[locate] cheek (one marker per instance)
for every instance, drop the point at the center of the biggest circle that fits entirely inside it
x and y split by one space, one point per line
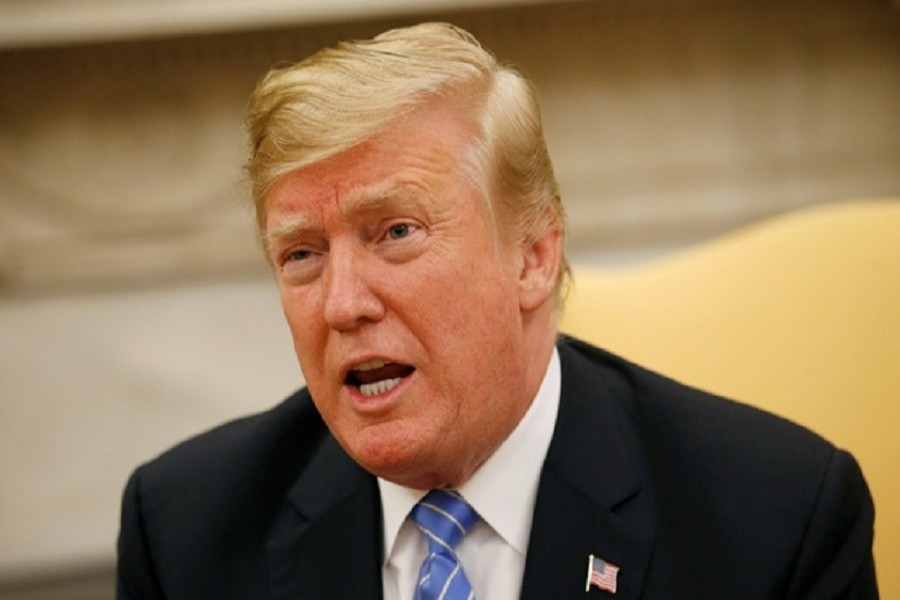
469 327
300 305
300 308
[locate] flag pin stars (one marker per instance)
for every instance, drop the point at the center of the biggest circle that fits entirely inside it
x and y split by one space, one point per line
601 574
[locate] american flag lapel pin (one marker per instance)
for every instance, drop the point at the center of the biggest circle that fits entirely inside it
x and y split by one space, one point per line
601 574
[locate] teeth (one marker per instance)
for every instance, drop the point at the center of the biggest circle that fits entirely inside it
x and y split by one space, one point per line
375 363
379 387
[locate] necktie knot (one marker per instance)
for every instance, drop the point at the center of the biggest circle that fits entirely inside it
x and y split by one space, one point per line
444 517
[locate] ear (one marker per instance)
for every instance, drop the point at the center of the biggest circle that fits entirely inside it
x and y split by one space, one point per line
540 267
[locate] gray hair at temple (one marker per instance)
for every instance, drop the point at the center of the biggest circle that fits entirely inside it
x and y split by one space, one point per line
304 113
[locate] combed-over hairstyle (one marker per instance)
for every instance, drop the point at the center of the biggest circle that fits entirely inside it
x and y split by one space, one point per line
304 113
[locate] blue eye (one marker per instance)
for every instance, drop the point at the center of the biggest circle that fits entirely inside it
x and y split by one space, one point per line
400 230
298 255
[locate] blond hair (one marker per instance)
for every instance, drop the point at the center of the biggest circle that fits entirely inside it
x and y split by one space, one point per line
304 113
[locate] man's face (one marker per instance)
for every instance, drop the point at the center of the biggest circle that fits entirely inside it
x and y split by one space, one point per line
403 304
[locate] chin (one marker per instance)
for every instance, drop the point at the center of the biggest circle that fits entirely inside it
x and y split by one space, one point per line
390 450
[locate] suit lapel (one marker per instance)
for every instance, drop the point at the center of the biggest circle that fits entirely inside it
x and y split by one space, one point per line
327 539
589 499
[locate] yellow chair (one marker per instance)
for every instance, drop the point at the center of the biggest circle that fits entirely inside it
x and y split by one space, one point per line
799 315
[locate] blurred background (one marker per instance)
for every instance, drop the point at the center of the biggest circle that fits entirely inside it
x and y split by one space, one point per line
135 307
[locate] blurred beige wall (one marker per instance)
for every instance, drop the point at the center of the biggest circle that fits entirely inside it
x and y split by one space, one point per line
134 306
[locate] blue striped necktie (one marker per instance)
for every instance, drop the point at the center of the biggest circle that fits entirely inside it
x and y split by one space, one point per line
444 517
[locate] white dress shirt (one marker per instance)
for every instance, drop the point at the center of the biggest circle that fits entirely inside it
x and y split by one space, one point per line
503 491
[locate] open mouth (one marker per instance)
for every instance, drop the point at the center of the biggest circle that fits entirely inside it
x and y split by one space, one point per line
377 376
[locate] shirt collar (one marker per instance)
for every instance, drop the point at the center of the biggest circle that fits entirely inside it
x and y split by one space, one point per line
504 489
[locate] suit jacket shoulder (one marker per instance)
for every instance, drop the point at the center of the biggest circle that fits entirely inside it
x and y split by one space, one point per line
695 495
236 512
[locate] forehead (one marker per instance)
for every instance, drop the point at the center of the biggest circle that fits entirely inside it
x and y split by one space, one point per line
418 154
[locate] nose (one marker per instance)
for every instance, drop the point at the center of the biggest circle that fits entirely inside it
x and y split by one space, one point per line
350 300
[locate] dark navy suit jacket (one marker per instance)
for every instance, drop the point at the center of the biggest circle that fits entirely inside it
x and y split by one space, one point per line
690 495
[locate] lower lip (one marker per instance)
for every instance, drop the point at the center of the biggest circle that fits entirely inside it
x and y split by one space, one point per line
379 403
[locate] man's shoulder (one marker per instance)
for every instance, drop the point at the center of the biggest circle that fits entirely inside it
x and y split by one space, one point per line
761 502
239 448
670 419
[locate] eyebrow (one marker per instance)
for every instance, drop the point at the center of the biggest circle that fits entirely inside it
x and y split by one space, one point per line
287 229
370 200
375 199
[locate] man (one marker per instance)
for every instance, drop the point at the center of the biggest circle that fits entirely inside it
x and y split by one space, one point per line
407 203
